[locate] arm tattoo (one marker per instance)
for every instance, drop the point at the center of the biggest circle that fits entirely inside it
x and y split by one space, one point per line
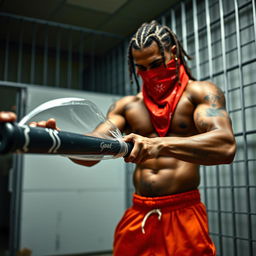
217 102
214 112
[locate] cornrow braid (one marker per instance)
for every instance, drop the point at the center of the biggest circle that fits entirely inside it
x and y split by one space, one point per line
131 63
164 37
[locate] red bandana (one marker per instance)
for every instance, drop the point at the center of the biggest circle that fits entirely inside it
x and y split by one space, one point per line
161 92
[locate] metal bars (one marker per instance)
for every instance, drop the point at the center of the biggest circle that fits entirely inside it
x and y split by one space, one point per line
231 225
69 75
56 24
6 57
222 32
173 20
228 190
81 61
45 68
209 37
33 53
197 55
228 33
184 27
20 53
223 47
57 68
241 80
254 19
44 53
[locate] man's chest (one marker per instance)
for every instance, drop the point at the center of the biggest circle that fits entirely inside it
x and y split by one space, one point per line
138 119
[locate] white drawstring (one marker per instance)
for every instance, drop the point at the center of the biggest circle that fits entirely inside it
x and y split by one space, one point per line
158 211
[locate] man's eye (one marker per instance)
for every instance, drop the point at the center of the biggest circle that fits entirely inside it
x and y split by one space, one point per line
156 65
141 68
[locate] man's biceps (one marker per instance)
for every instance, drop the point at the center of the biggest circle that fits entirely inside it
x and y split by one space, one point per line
204 123
117 120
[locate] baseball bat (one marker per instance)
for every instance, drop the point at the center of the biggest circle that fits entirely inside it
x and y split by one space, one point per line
16 138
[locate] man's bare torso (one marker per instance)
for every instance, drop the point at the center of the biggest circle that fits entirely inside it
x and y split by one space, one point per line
163 175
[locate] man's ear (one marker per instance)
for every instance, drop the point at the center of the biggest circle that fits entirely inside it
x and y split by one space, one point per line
174 50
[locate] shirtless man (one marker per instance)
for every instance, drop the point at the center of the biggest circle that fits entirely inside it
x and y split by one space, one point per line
176 124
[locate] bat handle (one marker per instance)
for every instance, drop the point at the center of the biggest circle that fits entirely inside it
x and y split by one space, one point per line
129 148
10 138
25 139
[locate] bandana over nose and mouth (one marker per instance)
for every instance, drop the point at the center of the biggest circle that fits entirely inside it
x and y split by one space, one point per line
161 92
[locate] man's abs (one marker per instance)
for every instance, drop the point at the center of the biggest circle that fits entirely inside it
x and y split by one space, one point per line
165 176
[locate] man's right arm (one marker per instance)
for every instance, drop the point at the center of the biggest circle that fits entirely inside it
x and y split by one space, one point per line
116 116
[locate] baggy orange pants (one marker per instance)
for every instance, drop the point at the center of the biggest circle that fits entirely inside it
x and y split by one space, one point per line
174 225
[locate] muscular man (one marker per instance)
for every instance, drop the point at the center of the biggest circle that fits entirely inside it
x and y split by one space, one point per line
176 124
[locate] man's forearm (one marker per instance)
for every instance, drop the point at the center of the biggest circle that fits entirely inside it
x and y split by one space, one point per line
214 147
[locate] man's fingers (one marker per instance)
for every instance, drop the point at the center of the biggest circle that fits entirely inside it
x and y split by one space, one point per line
135 154
129 137
41 124
51 123
11 117
7 116
33 124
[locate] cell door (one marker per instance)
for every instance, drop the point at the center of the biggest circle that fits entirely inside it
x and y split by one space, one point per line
12 98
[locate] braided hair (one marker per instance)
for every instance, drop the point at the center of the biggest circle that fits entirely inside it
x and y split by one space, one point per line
164 37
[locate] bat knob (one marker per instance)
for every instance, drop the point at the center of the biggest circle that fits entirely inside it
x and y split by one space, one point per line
8 140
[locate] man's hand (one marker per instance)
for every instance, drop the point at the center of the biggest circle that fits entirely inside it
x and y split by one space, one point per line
7 116
50 123
144 148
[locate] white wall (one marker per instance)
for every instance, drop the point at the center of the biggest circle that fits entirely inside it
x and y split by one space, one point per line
67 208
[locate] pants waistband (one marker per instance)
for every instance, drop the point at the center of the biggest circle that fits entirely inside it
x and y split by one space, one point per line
175 201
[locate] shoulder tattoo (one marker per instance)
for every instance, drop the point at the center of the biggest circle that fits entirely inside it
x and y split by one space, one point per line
216 102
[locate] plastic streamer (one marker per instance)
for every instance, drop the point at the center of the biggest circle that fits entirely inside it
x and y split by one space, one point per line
79 116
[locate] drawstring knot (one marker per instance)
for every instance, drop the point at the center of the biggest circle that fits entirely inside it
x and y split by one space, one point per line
158 211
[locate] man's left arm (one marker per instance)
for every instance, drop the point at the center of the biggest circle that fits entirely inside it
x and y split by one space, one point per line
214 143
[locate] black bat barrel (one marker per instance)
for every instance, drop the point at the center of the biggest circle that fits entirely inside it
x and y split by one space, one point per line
26 139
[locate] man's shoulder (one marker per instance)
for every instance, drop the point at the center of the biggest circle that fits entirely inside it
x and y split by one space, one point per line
129 99
200 85
199 89
121 104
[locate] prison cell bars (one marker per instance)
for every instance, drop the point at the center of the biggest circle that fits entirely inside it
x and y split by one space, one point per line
107 82
46 71
218 187
241 82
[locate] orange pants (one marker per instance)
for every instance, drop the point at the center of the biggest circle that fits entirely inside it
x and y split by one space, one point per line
164 226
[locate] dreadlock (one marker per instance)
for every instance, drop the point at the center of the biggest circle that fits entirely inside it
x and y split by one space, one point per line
164 37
